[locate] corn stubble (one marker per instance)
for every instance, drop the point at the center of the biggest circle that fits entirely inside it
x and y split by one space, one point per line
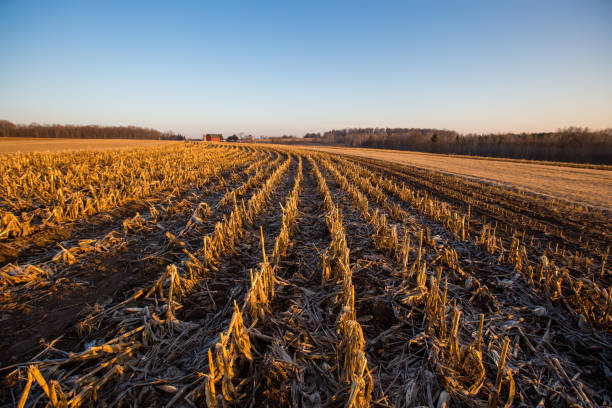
421 298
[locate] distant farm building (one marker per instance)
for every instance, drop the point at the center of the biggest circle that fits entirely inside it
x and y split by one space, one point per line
212 137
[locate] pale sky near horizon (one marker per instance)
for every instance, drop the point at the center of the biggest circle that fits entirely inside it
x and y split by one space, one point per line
273 67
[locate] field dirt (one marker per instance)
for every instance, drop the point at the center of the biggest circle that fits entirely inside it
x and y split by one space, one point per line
285 277
27 145
583 186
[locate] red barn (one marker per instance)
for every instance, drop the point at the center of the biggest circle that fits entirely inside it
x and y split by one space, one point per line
211 137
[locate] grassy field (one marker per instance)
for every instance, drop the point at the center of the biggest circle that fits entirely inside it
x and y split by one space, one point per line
27 145
584 186
248 275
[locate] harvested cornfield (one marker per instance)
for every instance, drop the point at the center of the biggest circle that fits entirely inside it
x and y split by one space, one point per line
235 275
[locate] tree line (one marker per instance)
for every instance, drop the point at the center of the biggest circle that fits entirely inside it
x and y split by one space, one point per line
9 129
578 145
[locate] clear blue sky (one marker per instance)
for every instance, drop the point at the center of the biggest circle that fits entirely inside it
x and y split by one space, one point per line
290 67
